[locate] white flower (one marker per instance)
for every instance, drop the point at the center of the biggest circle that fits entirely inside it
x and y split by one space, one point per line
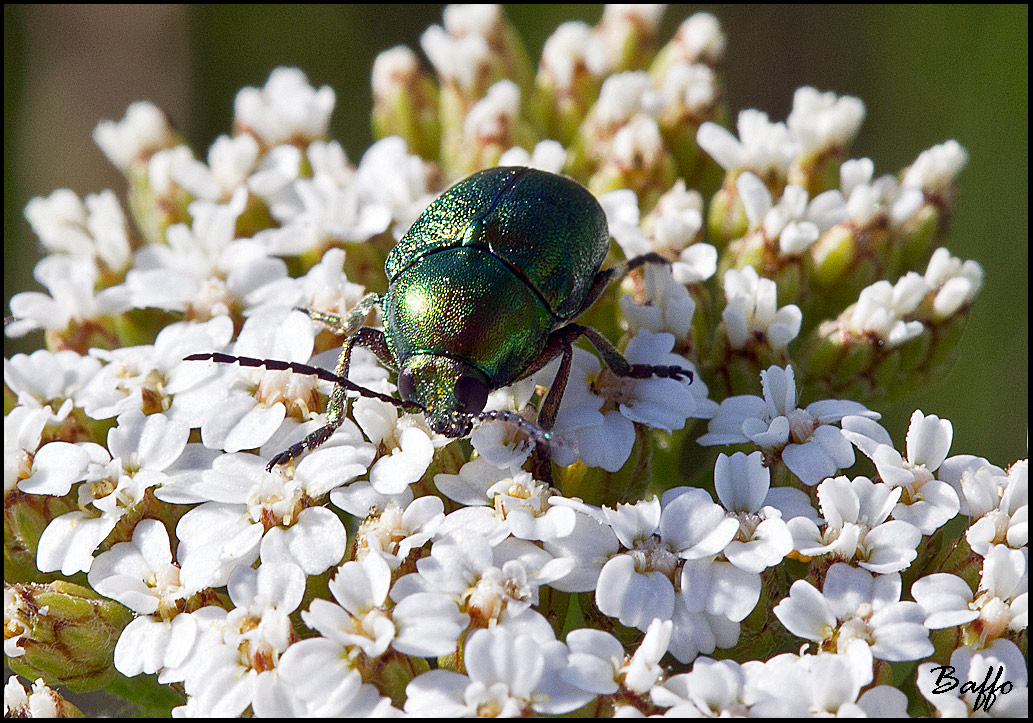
461 61
622 217
286 110
820 685
245 406
40 702
572 50
51 380
233 666
763 147
548 155
520 502
23 429
934 170
142 576
954 282
667 305
96 228
795 222
637 585
393 67
492 118
408 444
763 539
752 309
396 531
1001 502
869 202
643 670
713 686
599 409
621 97
204 269
319 211
143 131
325 288
598 664
882 309
637 144
856 525
496 585
678 216
590 545
230 162
691 86
389 176
248 504
360 620
73 299
155 377
320 681
1002 603
140 451
925 502
508 675
811 447
855 605
699 38
822 122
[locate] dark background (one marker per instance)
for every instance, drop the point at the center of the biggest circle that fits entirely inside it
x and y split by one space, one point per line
926 74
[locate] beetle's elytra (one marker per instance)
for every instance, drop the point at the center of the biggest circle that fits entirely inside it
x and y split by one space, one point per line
482 291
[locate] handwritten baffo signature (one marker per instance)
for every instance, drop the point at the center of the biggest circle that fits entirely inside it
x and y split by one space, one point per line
986 691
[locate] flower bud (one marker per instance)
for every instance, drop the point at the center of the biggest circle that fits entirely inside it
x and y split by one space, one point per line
62 632
492 127
897 336
699 40
638 160
25 518
629 34
405 101
570 75
690 95
823 126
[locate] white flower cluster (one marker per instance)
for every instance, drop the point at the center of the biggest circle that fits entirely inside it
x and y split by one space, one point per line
311 589
895 312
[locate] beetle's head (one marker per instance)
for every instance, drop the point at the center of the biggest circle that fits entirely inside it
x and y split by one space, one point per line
450 391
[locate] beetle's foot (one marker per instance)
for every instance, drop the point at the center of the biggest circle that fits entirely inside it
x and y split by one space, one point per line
644 371
296 450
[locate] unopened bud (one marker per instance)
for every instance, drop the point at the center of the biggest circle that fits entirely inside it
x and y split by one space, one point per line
405 101
62 632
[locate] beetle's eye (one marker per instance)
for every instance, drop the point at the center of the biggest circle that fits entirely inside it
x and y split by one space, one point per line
471 393
406 385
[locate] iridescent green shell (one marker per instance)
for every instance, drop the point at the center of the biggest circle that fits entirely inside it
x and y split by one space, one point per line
492 267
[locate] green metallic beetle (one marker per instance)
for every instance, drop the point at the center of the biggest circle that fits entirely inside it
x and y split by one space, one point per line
482 291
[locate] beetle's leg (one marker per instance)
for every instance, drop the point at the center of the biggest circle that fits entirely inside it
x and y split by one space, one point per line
622 367
368 337
599 284
350 323
560 341
641 260
352 327
604 277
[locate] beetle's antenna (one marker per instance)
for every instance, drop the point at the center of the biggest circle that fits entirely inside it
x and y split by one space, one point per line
539 435
328 376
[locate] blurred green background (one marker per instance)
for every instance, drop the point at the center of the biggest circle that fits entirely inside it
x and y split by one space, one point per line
926 74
